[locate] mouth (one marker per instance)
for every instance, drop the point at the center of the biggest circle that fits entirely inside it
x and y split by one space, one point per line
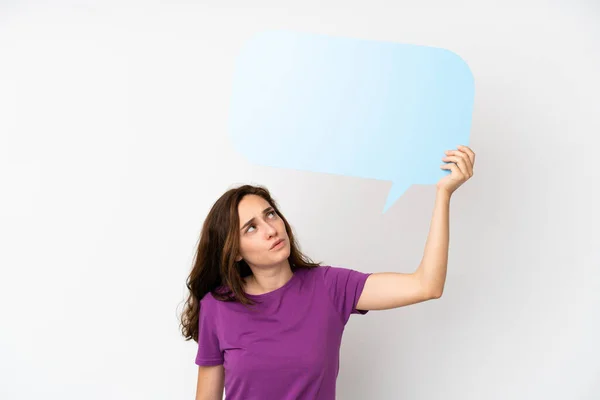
277 244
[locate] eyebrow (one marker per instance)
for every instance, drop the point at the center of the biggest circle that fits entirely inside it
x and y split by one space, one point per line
265 211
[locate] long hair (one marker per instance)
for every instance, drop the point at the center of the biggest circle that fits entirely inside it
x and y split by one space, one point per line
214 268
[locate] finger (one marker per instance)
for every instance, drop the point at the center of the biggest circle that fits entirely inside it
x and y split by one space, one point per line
466 158
470 152
460 162
454 168
459 153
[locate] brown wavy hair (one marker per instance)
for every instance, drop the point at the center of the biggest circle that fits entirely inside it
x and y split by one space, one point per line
215 269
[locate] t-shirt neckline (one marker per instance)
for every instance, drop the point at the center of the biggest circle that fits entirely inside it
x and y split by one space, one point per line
273 292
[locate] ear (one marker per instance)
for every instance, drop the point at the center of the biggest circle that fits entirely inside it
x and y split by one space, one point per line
238 258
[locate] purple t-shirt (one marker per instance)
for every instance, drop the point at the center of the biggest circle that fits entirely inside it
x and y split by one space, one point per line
289 347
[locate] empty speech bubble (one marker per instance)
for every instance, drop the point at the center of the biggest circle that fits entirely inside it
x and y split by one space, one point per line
355 107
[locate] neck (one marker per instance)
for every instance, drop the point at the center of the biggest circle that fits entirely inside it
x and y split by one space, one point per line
264 280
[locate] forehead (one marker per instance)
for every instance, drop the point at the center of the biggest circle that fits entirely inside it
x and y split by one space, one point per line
251 206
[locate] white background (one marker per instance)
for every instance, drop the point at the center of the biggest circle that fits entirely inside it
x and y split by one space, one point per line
113 147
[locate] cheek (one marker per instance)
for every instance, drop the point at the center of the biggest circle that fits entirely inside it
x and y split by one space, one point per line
282 228
249 247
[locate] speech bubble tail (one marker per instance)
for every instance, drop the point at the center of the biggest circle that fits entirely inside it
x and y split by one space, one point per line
396 191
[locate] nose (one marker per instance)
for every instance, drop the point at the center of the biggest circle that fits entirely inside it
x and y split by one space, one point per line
270 230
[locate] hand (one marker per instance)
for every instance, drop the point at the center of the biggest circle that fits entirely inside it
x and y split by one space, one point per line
460 162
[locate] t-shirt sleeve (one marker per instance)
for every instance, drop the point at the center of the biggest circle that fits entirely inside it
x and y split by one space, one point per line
209 350
344 286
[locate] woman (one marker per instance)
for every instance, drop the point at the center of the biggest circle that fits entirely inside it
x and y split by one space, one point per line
268 320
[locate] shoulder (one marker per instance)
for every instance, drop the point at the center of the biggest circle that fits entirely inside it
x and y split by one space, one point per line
334 271
332 274
312 273
324 270
316 270
207 301
212 307
339 278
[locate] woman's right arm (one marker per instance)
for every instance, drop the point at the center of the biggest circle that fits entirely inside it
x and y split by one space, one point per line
211 381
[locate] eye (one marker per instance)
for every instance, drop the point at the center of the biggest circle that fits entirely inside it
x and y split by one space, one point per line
270 212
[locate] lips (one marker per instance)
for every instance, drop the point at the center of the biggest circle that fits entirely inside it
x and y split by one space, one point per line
276 243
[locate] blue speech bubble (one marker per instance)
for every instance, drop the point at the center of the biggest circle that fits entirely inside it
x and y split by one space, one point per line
355 107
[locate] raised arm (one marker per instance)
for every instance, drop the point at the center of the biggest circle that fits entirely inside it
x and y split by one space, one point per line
387 290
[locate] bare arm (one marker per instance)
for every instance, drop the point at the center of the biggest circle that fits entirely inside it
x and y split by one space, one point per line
211 382
434 263
387 290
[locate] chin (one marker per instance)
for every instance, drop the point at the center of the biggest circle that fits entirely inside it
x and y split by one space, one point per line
285 254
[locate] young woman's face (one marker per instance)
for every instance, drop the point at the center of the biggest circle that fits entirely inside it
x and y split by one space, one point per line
260 229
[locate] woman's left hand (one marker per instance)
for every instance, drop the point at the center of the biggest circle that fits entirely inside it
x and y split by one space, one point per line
460 162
